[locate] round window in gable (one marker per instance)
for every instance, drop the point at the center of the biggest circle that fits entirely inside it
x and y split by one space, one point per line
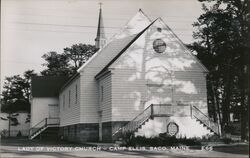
159 45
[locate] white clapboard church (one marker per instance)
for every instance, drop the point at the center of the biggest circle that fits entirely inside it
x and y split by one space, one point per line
143 80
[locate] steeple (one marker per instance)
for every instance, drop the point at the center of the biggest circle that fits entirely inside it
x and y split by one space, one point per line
100 39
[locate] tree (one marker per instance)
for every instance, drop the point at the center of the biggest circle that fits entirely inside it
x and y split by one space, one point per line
78 54
56 65
67 63
222 45
16 92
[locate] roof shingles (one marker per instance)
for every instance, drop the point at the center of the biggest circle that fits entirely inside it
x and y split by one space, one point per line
47 86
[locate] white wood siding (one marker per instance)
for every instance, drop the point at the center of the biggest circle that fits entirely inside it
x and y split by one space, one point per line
89 86
128 95
105 97
89 97
70 112
40 109
141 76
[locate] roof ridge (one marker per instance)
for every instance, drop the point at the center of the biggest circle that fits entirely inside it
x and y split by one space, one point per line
184 46
125 48
140 10
114 37
99 52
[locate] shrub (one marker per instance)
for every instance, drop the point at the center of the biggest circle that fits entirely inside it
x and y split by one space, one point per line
211 138
19 134
227 140
161 140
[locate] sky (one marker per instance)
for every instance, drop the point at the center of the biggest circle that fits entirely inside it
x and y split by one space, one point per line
31 28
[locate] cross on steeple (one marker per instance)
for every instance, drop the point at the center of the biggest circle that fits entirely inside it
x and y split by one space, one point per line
100 39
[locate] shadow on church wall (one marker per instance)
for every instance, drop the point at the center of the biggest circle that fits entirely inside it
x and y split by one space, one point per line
172 77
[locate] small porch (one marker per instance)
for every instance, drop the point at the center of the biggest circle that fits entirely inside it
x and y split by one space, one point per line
168 110
48 126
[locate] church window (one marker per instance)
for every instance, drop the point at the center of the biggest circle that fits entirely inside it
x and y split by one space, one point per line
69 97
63 101
76 97
159 45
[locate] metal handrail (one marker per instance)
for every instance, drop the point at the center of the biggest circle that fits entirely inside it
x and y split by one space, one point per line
44 123
141 113
170 110
50 122
198 114
39 125
201 112
135 123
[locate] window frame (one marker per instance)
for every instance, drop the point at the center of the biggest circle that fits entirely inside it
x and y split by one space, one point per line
76 95
69 98
63 101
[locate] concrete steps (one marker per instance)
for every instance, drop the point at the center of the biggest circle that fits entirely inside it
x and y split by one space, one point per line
205 126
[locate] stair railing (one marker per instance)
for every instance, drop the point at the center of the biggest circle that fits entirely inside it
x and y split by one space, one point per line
38 126
136 122
53 121
154 110
158 110
44 123
199 115
150 111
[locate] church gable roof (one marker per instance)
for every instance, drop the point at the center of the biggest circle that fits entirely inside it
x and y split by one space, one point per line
123 50
129 34
100 59
120 40
183 46
135 25
181 58
47 86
